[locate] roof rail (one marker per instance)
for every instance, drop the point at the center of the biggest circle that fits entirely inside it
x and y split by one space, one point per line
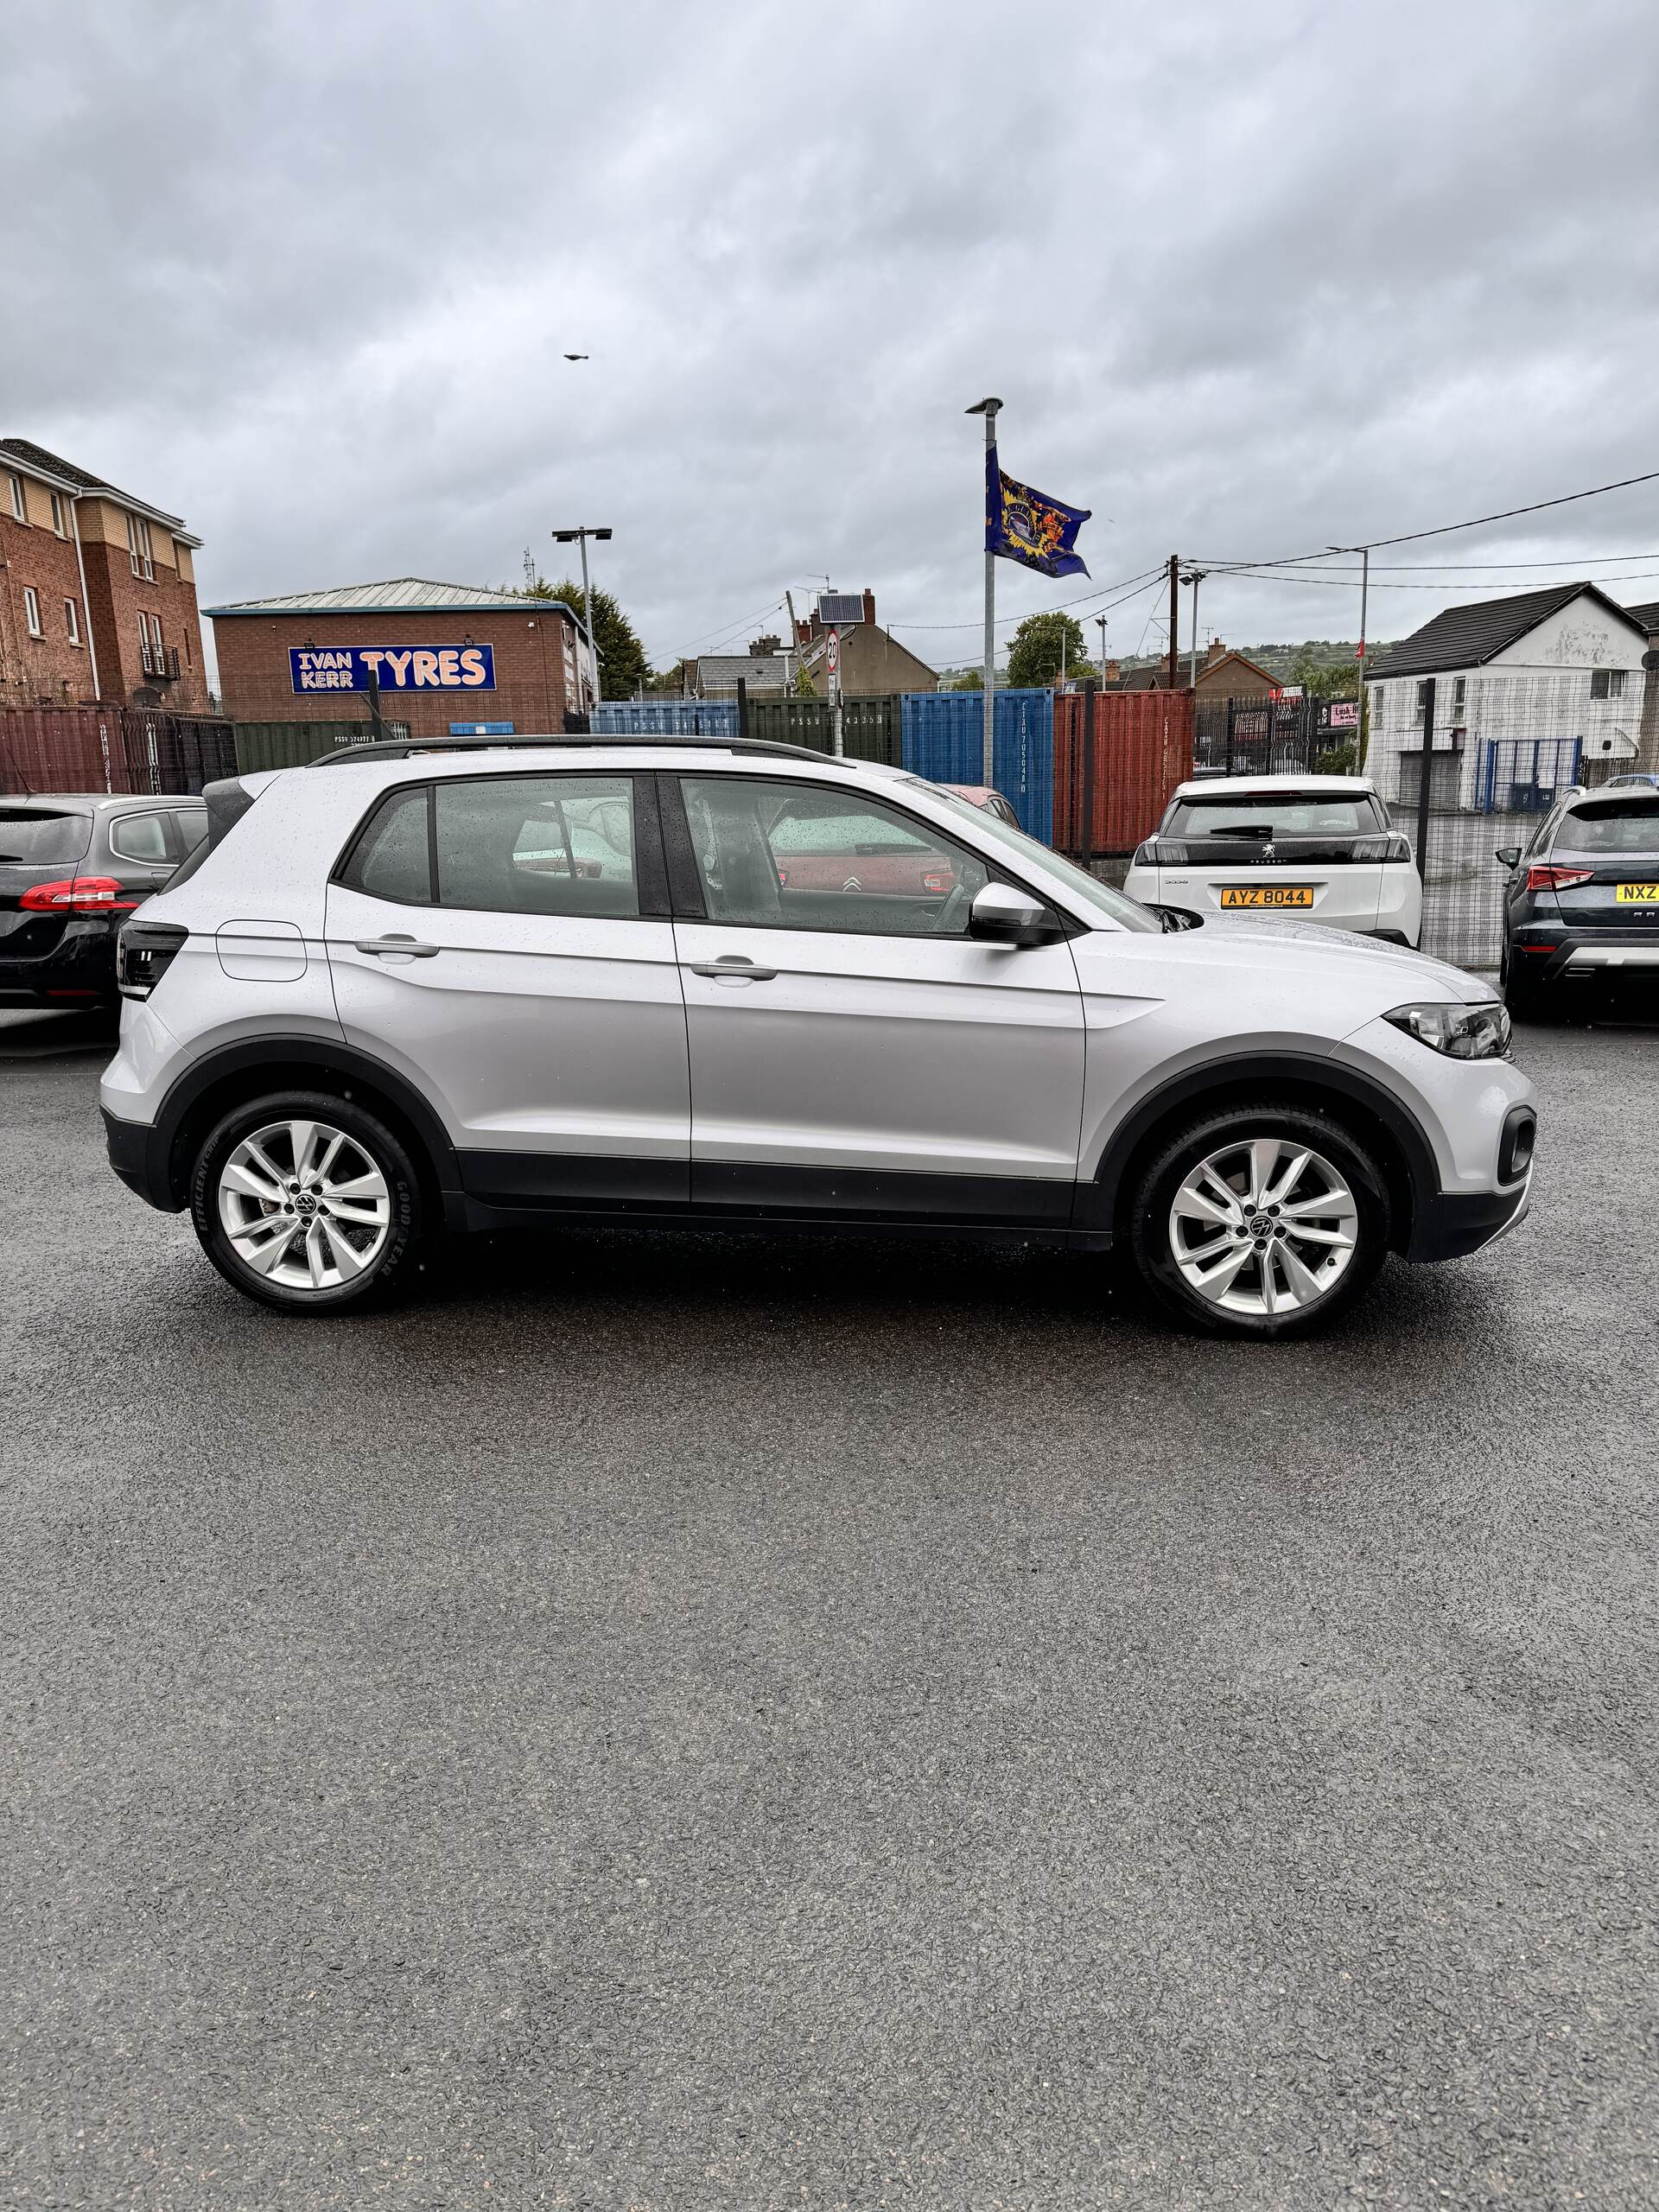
405 748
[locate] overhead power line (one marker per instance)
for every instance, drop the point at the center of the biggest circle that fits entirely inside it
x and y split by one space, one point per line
1441 529
1006 621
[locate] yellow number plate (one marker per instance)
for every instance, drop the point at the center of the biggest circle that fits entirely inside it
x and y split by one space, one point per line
1268 894
1637 894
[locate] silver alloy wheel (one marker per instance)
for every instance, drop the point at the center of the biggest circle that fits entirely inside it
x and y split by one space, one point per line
304 1205
1265 1225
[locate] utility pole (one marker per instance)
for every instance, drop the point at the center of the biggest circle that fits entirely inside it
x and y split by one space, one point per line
583 532
1174 614
1100 625
990 408
1365 553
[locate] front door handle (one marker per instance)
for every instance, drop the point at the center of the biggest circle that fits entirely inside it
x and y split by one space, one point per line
401 947
733 967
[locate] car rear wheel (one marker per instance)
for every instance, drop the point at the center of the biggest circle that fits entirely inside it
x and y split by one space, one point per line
306 1202
1260 1222
1527 999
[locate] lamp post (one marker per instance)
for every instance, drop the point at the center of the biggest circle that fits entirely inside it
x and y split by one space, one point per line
580 536
990 408
1195 577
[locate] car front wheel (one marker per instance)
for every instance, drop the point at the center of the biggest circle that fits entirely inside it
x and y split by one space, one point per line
308 1203
1260 1222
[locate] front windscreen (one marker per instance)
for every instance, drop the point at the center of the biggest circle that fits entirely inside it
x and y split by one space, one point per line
1626 825
40 839
1024 851
1276 814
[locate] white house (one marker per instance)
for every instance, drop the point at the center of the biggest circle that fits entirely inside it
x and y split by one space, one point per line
1529 691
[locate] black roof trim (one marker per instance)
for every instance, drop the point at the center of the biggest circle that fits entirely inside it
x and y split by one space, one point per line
401 748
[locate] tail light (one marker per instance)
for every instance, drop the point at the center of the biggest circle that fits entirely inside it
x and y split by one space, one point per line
77 895
936 880
1394 847
144 953
1557 879
1160 852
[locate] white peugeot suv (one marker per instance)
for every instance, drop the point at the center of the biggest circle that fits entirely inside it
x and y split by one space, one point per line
728 984
1321 846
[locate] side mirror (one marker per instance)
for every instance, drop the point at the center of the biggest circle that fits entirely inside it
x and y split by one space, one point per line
1172 920
1001 915
1510 855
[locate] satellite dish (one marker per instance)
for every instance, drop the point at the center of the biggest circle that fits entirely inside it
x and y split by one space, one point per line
1650 660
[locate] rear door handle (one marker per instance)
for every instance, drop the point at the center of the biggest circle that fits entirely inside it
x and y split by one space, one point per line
405 946
733 967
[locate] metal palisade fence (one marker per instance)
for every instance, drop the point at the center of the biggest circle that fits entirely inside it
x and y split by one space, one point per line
117 749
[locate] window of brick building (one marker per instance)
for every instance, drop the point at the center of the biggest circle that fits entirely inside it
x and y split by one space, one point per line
72 620
32 611
60 514
138 549
19 504
150 641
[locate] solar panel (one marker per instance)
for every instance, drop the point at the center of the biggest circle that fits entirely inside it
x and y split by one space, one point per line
838 610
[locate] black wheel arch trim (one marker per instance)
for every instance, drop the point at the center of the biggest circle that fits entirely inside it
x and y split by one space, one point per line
1097 1201
166 1176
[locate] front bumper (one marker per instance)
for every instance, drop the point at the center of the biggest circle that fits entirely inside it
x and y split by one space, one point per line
1451 1225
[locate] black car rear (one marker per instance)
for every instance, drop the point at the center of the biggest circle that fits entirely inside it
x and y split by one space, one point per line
72 866
1583 901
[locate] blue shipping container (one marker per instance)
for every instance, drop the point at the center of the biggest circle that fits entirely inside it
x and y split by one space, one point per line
944 736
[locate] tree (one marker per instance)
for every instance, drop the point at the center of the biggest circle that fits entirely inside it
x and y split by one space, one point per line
1040 644
1322 679
971 679
623 668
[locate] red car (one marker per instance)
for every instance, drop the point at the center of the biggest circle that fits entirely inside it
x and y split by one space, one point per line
812 857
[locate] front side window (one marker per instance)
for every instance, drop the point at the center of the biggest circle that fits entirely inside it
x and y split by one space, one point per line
140 837
32 611
1023 851
807 856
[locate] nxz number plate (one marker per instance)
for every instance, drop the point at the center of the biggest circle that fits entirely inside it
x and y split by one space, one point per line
1637 894
1268 894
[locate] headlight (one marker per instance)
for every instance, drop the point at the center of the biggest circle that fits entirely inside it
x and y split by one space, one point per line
1464 1033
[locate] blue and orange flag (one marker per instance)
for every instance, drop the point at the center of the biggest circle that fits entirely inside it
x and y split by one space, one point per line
1028 526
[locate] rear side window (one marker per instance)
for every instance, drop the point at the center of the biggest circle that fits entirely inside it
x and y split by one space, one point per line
140 837
191 827
1617 826
391 858
538 845
40 839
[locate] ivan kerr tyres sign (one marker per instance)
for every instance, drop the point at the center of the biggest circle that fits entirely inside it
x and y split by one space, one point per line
399 668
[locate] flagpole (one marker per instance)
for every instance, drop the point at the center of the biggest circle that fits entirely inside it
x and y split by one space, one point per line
989 408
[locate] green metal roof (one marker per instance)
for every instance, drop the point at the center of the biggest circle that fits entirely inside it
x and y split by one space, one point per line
397 595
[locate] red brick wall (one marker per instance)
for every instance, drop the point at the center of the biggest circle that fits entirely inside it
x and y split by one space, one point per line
33 669
117 597
530 685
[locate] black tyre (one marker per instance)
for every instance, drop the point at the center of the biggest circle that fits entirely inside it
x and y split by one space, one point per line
1260 1221
308 1203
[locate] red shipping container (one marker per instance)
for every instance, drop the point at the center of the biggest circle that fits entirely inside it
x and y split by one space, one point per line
1143 749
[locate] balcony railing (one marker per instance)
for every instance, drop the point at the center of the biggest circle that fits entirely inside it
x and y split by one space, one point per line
161 662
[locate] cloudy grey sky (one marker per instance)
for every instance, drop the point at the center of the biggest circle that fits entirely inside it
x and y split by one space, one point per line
1251 276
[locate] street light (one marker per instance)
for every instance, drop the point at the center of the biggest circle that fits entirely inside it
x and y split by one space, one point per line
581 535
1195 577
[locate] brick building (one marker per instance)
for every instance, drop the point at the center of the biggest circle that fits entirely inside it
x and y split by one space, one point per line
98 591
444 655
